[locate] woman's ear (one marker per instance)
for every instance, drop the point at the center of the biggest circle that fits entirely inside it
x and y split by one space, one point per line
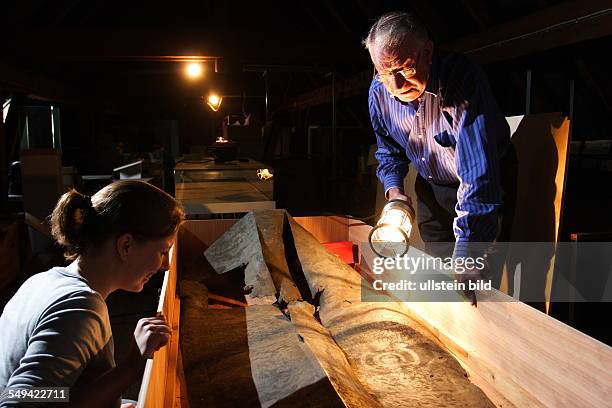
124 244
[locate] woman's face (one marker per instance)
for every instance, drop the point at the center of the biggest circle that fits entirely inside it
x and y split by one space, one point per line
143 259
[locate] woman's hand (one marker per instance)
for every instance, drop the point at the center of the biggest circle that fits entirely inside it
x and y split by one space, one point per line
151 334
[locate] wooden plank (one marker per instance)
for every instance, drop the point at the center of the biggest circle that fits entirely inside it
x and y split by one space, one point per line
519 351
541 142
222 307
325 229
153 386
171 385
224 299
4 156
205 232
181 400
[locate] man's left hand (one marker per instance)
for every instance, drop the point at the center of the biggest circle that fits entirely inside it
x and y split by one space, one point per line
470 275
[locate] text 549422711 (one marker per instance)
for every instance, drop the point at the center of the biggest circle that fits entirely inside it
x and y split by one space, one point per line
35 394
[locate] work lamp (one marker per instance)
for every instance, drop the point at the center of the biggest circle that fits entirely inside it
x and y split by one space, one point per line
214 101
390 237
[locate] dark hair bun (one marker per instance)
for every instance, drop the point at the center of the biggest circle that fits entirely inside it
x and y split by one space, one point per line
69 219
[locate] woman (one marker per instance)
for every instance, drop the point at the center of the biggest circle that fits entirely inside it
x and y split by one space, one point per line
55 331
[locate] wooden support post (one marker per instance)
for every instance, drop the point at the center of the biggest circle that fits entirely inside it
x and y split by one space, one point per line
3 163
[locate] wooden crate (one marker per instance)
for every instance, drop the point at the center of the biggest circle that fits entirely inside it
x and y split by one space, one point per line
517 355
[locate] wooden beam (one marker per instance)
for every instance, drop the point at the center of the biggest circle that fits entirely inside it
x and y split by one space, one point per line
4 166
555 26
16 80
74 45
591 83
562 24
337 16
478 13
356 85
227 300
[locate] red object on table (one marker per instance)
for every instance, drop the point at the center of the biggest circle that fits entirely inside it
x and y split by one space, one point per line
343 250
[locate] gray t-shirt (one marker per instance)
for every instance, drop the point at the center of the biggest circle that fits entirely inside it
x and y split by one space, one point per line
54 332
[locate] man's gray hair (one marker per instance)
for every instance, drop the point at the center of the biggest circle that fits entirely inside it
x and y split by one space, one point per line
391 29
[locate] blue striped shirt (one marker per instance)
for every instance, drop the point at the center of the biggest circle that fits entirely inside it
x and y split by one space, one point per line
453 134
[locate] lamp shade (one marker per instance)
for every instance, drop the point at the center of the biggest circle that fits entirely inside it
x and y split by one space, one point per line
214 101
390 237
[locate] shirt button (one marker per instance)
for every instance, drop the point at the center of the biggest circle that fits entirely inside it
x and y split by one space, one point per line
420 136
422 158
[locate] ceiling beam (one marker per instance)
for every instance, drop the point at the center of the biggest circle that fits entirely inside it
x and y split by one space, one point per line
245 47
556 26
35 86
562 24
591 83
477 11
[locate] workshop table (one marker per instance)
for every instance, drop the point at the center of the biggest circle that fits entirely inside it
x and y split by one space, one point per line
205 187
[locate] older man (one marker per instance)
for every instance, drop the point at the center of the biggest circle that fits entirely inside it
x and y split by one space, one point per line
438 113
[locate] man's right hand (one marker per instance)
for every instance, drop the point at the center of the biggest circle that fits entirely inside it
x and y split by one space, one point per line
398 194
151 334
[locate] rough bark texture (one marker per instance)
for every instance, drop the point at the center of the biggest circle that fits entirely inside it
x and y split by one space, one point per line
344 352
270 225
239 246
250 357
330 356
398 364
256 241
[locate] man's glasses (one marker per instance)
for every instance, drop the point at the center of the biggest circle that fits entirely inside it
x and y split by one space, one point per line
406 73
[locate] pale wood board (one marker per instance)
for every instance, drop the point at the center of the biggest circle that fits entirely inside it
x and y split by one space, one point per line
531 359
541 142
325 229
210 192
162 367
